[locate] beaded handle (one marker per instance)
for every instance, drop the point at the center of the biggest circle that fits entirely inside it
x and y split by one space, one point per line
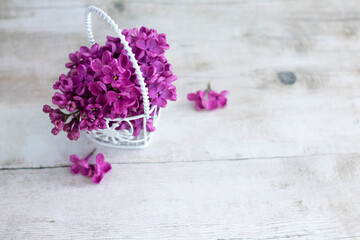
115 27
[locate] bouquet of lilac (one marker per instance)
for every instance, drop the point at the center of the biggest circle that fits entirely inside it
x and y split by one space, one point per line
101 84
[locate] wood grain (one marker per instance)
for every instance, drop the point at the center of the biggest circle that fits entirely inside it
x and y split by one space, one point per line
280 162
289 198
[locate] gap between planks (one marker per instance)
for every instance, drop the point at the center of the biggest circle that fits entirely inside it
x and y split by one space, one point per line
178 161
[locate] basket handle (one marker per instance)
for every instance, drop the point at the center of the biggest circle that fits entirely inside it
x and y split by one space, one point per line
115 27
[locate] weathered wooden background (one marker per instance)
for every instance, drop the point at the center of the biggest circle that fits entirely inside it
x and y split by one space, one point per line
280 162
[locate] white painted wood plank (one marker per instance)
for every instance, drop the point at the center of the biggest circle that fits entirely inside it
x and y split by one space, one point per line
285 198
275 123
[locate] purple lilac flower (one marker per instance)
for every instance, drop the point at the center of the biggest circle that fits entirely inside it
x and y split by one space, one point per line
116 76
208 99
65 84
114 46
160 93
82 80
138 126
69 125
93 52
101 168
99 91
149 125
94 111
216 100
59 99
56 117
74 58
80 165
47 109
74 133
121 102
150 46
198 98
97 88
70 106
106 60
95 171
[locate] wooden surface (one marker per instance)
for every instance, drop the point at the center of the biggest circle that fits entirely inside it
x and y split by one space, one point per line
280 162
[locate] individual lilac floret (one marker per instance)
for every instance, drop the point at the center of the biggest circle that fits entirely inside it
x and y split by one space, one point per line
93 52
198 98
81 165
121 103
150 46
216 100
160 93
106 60
57 118
101 167
74 58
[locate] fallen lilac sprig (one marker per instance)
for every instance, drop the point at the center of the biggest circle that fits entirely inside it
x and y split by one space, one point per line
95 171
208 99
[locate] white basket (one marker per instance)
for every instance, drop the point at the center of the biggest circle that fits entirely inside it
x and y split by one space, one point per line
110 137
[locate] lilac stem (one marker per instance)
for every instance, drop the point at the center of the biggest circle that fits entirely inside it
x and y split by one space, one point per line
66 116
90 154
208 87
73 113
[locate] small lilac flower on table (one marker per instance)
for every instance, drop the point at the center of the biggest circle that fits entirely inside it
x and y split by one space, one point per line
96 171
80 165
217 100
208 99
198 98
101 167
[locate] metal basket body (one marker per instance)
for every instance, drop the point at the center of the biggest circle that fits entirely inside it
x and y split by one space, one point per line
124 138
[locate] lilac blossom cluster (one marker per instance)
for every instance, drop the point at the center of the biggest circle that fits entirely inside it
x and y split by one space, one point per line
101 83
